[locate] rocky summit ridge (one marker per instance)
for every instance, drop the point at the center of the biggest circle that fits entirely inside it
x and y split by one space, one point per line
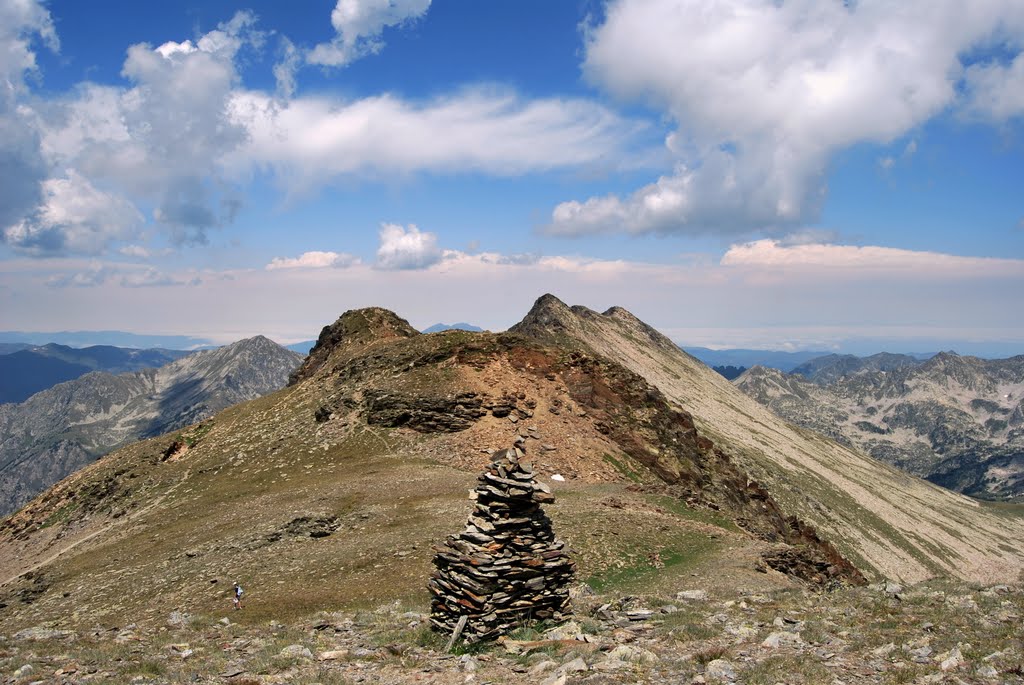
847 496
333 492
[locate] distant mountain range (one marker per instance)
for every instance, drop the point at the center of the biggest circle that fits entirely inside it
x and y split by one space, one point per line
302 348
957 421
775 359
115 338
834 367
59 430
438 327
9 347
31 369
729 372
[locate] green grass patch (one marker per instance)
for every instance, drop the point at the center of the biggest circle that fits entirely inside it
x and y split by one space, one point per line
639 564
681 509
623 468
62 515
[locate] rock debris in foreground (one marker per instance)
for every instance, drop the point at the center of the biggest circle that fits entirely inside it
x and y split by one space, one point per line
506 568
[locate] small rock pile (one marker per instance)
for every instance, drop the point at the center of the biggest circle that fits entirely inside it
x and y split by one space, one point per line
506 567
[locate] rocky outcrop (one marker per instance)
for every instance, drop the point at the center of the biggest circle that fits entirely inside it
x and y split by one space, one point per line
423 413
353 330
433 414
506 567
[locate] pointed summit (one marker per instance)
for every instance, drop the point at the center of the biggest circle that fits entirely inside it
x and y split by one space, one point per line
257 343
551 318
355 329
547 307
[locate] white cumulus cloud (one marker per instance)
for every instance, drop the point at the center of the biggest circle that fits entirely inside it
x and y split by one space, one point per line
74 217
313 260
764 93
162 140
407 248
22 165
358 25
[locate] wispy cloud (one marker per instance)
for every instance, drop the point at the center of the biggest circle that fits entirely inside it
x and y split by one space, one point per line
865 262
313 260
311 141
185 138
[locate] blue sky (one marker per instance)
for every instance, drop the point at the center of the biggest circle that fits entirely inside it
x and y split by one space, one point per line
739 173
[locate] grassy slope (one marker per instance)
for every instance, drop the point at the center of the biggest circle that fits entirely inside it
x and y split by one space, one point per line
173 534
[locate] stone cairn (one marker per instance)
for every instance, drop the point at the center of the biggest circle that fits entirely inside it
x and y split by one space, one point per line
506 568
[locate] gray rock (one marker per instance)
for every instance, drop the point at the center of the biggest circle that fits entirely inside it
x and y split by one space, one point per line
177 619
570 630
986 671
920 654
37 633
630 654
577 665
25 670
953 660
693 595
720 670
782 639
555 679
542 667
296 652
610 664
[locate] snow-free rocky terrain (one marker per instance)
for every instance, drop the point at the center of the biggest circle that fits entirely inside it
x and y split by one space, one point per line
711 539
957 421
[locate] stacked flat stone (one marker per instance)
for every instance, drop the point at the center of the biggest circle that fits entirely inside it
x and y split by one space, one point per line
506 568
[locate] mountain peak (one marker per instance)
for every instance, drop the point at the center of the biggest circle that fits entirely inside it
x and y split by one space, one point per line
548 305
552 318
549 316
356 328
255 342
